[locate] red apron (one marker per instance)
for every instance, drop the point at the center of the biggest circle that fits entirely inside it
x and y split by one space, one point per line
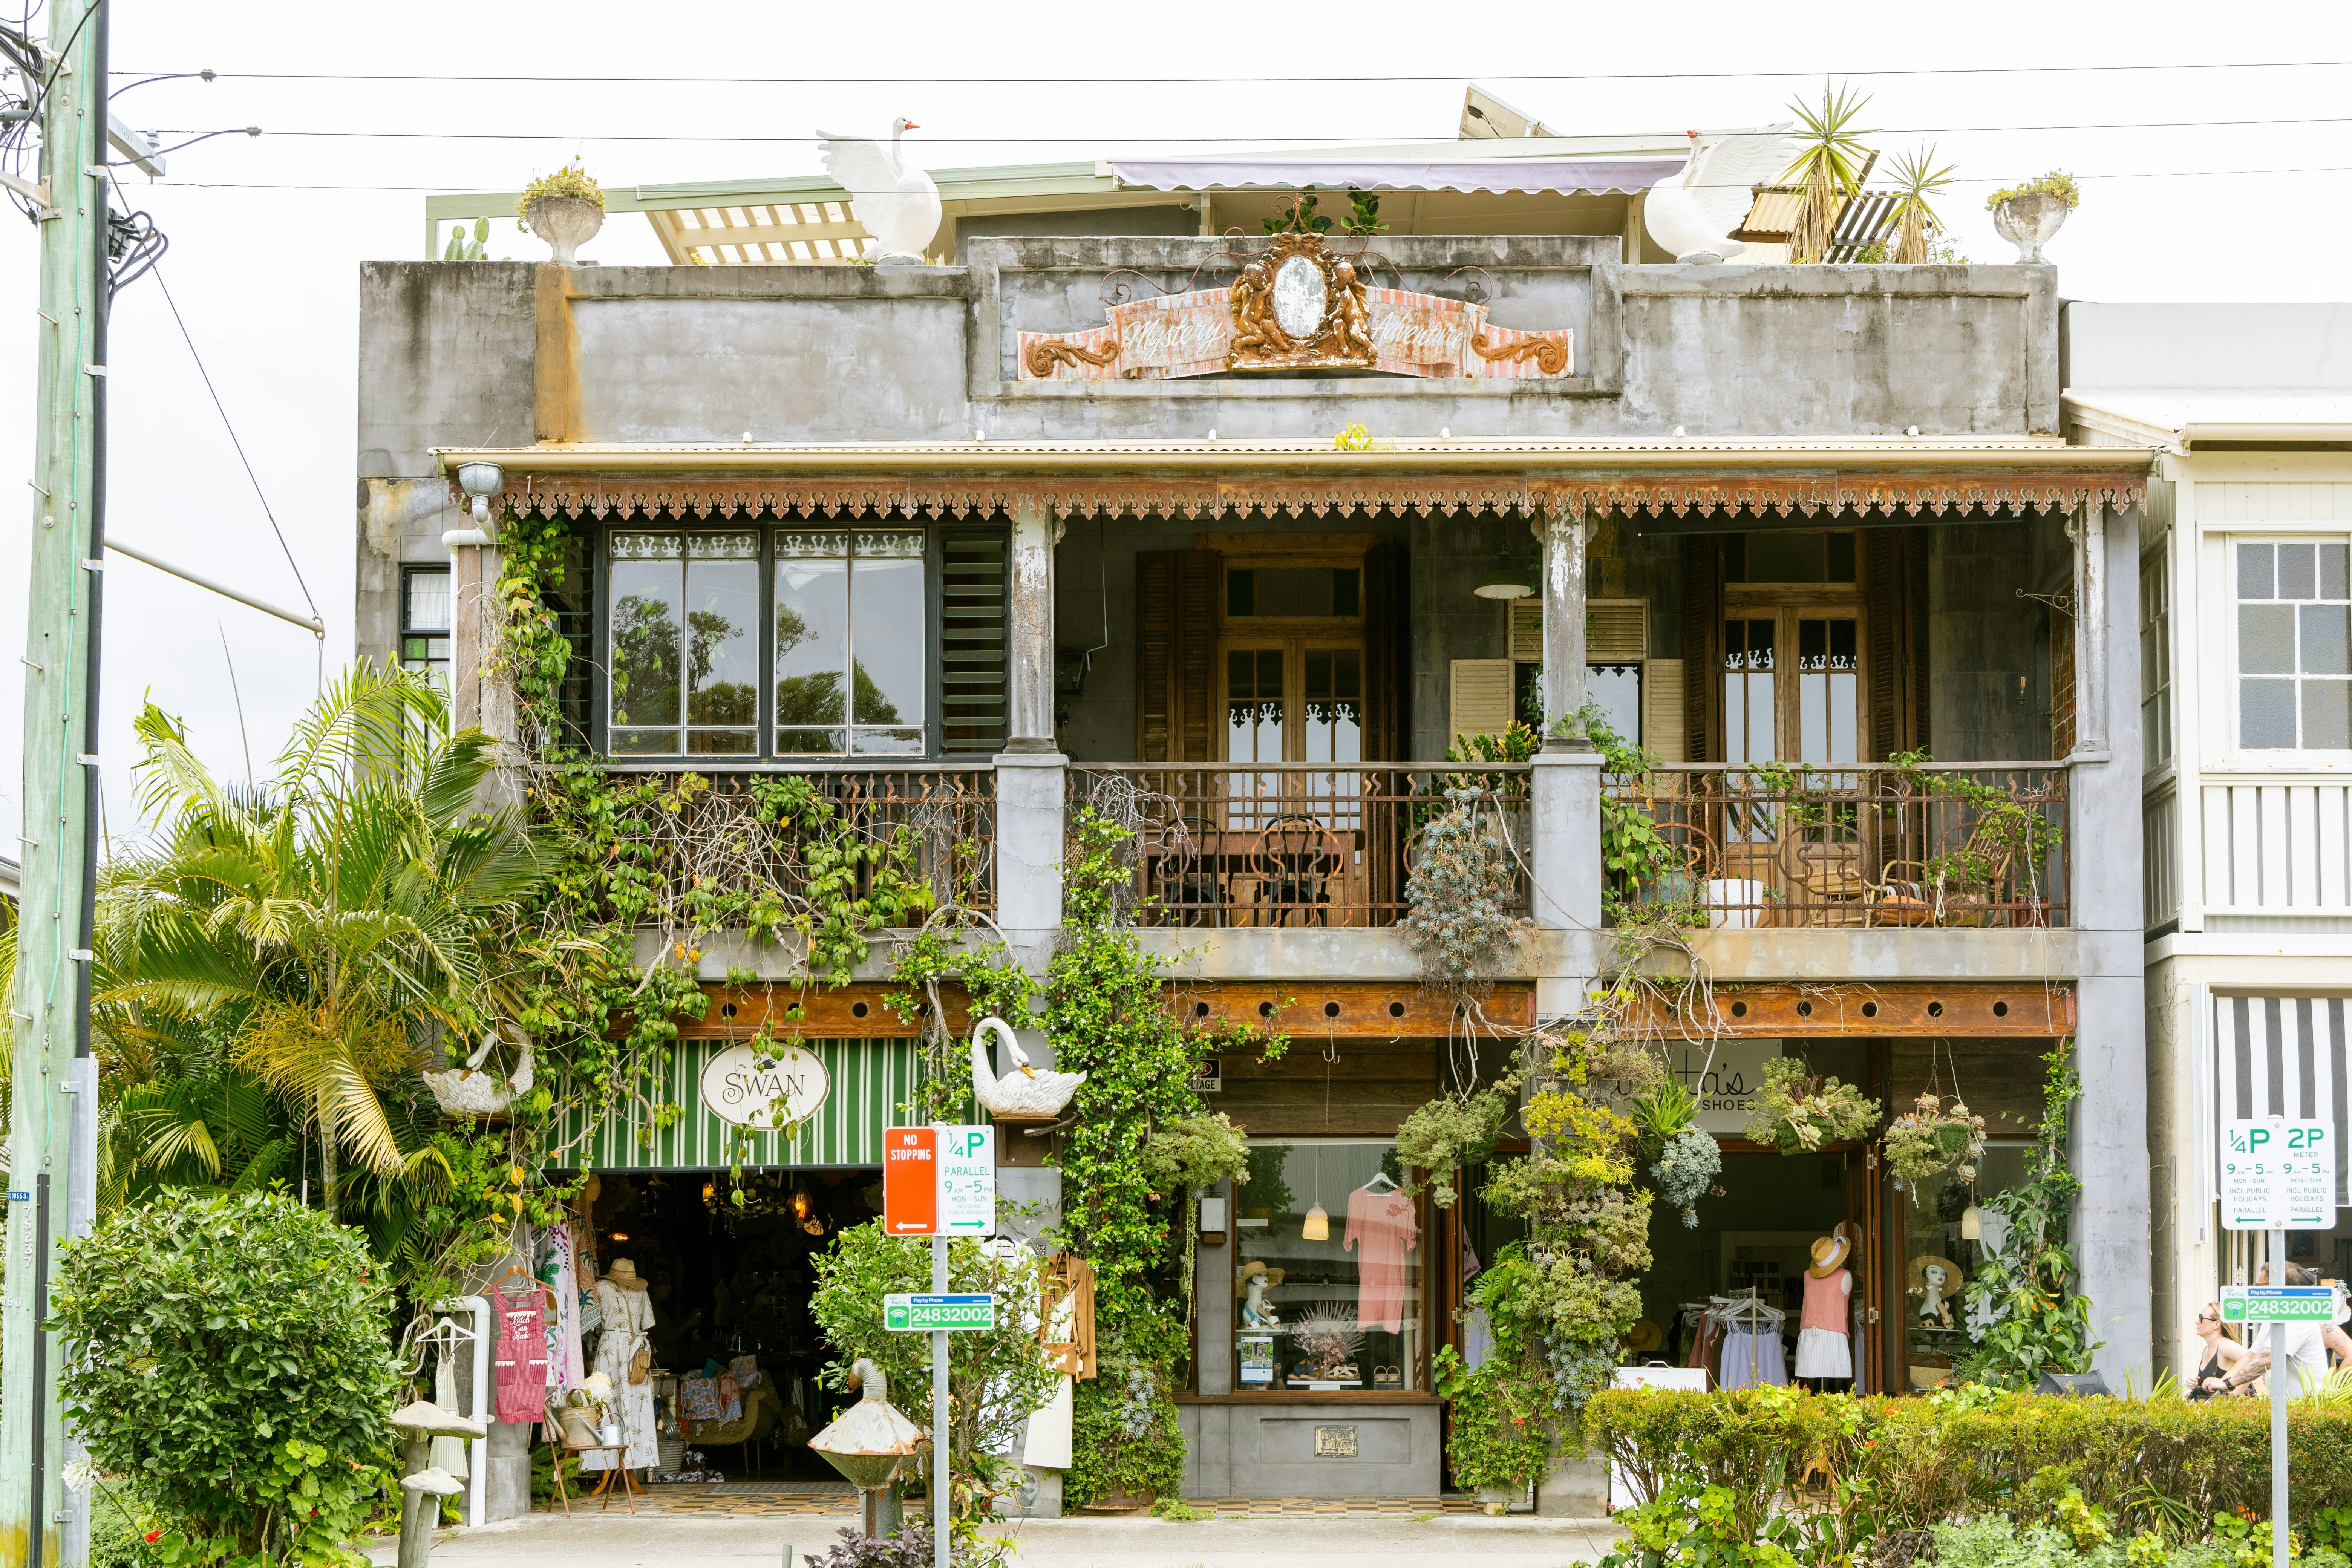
520 1356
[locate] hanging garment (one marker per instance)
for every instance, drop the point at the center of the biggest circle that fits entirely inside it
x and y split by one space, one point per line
697 1399
627 1315
1703 1337
449 1453
565 1366
1751 1358
1823 1349
1384 1224
1477 1338
519 1356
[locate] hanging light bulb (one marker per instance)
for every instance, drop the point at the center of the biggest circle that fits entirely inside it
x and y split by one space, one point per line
1318 1223
799 1203
1972 1224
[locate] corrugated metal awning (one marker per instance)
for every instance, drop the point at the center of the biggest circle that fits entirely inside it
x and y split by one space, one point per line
2283 1056
1553 176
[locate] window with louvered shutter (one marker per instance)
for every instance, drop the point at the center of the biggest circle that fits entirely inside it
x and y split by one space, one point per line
1480 693
973 696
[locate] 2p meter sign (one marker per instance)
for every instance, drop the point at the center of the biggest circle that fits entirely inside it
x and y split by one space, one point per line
2278 1174
939 1181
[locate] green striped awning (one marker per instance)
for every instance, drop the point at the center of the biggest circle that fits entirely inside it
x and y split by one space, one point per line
870 1086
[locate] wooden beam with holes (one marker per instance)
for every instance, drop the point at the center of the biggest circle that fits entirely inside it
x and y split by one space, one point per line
1348 1009
2024 1010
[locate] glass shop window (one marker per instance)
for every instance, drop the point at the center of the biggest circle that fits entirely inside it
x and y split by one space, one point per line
850 650
685 653
1948 1228
1329 1253
425 621
2295 679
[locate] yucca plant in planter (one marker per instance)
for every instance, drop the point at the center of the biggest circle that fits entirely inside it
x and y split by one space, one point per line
2027 215
565 208
1828 166
1916 178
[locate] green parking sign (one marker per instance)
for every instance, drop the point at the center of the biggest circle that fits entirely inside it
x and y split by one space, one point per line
2278 1304
913 1314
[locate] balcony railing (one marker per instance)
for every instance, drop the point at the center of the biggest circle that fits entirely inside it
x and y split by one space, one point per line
1946 844
689 830
1288 844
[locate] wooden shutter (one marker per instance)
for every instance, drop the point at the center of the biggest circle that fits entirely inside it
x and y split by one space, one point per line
1176 651
2061 683
1387 669
1616 631
1895 613
1480 693
1663 731
1702 639
973 696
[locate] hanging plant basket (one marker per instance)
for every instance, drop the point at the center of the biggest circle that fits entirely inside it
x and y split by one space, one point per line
1928 1140
1801 1114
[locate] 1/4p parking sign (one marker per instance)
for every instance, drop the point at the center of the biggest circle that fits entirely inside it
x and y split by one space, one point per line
2278 1174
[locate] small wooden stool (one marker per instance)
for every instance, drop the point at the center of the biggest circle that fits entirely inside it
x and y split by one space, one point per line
629 1487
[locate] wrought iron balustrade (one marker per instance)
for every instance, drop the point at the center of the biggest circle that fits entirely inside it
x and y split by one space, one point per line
1869 843
1289 843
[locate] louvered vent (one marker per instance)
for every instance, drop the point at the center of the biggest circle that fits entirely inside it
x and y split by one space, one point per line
1616 631
972 654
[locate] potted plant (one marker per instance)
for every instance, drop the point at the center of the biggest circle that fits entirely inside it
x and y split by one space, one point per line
565 208
2027 215
1928 1140
1799 1113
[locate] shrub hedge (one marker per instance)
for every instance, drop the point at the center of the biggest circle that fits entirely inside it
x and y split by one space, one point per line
1971 1451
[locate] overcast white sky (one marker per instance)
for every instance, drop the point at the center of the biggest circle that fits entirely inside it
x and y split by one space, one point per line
266 235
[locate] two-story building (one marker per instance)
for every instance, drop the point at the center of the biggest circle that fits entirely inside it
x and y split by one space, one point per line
1236 534
2246 745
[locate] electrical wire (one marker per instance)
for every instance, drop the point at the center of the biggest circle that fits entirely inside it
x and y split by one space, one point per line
1670 136
1256 80
231 427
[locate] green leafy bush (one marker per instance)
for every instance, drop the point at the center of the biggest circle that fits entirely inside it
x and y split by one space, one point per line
1124 1435
230 1354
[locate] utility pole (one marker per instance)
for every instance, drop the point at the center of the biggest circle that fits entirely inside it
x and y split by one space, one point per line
49 1176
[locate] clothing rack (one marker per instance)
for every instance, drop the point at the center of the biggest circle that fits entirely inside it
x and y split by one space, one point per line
1746 1315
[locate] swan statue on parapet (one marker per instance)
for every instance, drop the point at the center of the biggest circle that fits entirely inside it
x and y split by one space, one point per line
1026 1093
1693 213
898 203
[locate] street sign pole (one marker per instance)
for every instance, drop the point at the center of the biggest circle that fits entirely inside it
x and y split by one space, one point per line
939 1483
2280 1373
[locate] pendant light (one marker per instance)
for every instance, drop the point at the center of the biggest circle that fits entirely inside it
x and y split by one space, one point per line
1972 1224
1318 1223
1506 581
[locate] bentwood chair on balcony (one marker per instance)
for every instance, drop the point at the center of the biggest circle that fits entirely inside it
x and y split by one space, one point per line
1188 873
1295 859
1969 888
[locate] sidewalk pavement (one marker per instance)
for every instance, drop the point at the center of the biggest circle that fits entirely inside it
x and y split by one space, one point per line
616 1540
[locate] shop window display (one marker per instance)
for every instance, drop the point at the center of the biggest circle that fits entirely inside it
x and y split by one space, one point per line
1327 1277
1948 1230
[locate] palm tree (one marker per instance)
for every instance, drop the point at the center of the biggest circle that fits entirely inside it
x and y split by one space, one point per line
1917 179
1828 166
331 923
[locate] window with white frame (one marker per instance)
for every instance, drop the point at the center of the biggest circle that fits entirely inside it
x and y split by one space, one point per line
2155 661
2295 645
425 621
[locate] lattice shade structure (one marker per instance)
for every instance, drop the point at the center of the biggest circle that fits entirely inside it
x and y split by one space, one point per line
746 233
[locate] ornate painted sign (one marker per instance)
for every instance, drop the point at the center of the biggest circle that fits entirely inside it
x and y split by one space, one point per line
1297 305
764 1089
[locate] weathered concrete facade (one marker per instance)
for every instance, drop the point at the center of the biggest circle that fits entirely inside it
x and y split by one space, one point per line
1910 408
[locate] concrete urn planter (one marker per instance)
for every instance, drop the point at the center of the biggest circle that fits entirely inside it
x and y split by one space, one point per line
2027 221
566 222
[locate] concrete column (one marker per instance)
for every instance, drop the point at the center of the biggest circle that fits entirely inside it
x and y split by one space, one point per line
1030 788
1563 540
2112 1236
1567 861
468 637
1035 533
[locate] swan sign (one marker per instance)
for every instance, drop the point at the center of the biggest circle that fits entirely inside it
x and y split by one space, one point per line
939 1181
765 1090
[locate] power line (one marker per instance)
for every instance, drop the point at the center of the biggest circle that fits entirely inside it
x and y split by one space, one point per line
1255 80
231 427
1260 140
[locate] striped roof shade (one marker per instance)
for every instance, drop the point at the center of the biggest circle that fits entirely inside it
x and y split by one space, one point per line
871 1085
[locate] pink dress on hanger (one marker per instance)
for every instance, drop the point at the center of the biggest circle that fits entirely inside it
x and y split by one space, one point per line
1384 1226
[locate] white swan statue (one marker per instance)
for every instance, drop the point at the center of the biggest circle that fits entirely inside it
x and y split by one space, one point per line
1028 1092
898 204
1693 213
466 1091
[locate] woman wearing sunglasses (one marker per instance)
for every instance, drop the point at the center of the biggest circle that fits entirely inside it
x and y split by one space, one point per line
2222 1353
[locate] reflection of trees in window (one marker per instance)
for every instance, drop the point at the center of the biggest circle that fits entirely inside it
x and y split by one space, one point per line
721 701
645 662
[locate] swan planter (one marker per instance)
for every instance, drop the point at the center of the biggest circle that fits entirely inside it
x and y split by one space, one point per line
469 1091
1025 1094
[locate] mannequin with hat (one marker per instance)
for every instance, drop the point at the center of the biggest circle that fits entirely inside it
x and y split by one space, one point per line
1824 1350
625 1355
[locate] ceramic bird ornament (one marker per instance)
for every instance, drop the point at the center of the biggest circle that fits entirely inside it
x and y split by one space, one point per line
896 202
1693 213
1027 1090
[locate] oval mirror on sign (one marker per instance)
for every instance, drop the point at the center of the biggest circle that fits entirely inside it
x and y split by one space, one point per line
1299 298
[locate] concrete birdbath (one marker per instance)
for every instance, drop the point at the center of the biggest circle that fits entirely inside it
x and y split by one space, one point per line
419 1423
868 1445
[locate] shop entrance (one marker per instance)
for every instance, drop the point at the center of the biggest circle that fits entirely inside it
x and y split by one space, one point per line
730 1285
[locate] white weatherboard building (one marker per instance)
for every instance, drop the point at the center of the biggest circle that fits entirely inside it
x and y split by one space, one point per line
2245 595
